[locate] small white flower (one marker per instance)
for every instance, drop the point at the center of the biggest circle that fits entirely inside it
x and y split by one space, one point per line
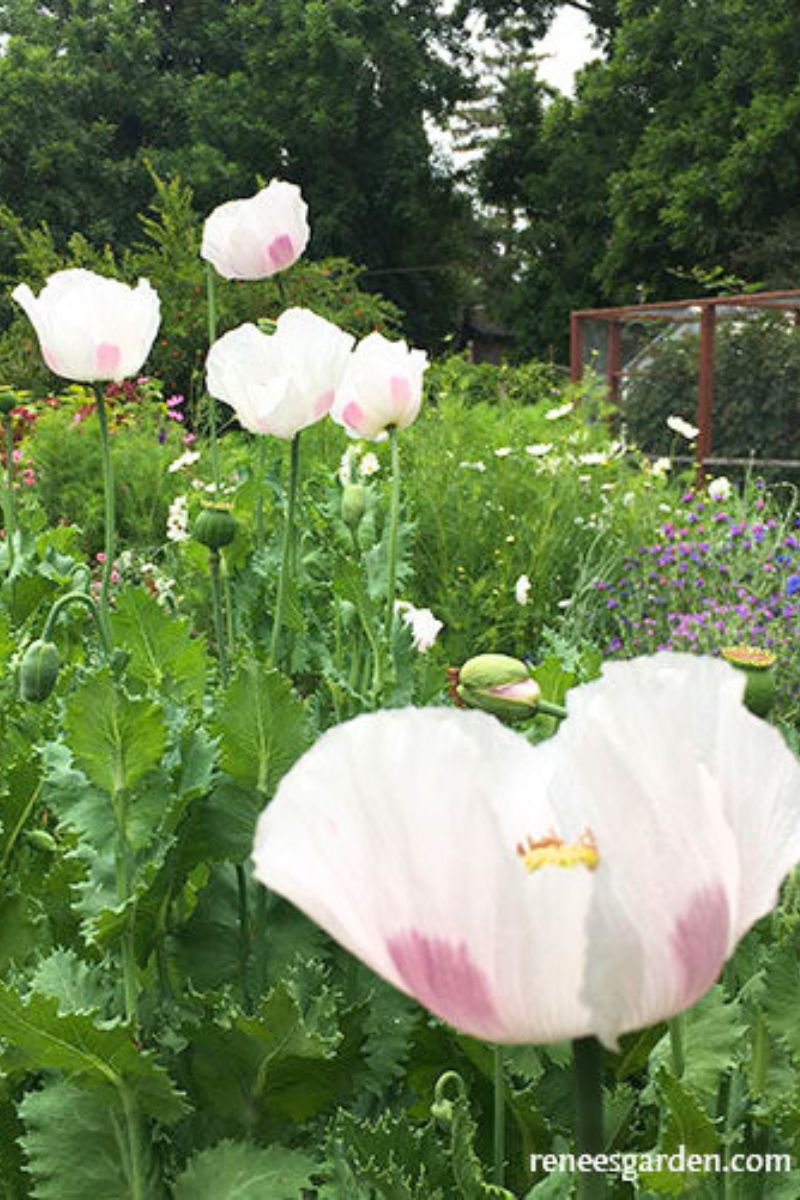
423 624
539 449
187 459
665 508
660 467
566 603
522 589
473 466
369 465
720 489
502 451
178 520
345 471
592 459
554 414
678 425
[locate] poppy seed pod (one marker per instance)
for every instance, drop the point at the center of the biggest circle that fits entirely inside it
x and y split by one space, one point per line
215 527
38 671
498 684
8 401
758 667
354 503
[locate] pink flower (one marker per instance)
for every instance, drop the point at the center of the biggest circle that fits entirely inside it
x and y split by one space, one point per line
592 884
381 388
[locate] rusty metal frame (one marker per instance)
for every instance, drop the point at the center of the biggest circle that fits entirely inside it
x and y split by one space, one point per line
706 308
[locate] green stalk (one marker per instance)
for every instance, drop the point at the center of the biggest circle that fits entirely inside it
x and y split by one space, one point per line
138 1170
551 710
76 598
588 1060
122 872
211 302
110 513
676 1029
394 521
219 623
260 472
9 503
287 555
499 1118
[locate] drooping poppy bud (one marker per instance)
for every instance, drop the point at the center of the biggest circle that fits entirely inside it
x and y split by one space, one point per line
498 684
38 671
758 665
215 527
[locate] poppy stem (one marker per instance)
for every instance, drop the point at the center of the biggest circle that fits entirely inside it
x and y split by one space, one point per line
551 710
261 452
499 1118
676 1027
10 503
394 521
110 513
588 1060
287 556
219 623
211 302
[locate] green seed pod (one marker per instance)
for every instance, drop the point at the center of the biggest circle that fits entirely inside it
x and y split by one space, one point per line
354 503
758 665
38 671
8 400
498 684
215 527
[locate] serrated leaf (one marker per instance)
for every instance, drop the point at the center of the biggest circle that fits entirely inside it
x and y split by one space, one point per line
116 740
244 1171
686 1128
21 786
781 996
76 986
712 1031
39 1037
400 1160
163 653
21 927
263 727
72 1146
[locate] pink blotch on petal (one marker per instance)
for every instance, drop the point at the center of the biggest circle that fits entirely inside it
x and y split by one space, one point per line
699 940
353 415
324 403
401 393
280 251
523 689
107 357
445 979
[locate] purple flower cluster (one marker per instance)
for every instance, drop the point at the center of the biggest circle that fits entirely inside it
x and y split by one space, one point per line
710 579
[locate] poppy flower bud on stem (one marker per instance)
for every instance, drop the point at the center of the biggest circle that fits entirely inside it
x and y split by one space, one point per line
38 671
501 685
354 503
758 665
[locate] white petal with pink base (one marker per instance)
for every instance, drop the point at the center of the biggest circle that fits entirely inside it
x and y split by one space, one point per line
91 328
259 236
593 884
382 388
282 382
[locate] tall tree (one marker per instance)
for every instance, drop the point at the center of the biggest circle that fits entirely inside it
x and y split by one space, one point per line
334 94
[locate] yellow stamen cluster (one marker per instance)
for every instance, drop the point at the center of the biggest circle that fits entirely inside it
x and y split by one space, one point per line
553 851
748 656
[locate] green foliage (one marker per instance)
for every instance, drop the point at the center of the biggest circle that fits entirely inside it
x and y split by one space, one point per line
756 378
163 653
241 1171
72 1146
116 739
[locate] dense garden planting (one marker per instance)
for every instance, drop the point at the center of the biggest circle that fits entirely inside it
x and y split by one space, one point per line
400 785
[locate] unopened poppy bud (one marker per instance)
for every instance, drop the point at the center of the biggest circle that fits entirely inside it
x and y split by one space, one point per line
354 502
758 665
215 527
38 671
498 684
42 840
8 401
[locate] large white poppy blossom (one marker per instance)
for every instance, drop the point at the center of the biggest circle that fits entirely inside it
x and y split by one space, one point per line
91 328
382 387
279 383
593 884
259 236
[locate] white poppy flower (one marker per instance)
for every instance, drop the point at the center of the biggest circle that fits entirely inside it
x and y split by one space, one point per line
257 237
